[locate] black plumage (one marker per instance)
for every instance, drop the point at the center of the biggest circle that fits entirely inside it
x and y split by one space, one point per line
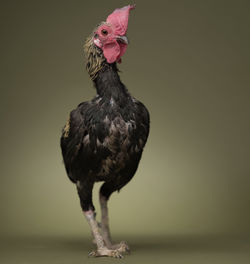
104 138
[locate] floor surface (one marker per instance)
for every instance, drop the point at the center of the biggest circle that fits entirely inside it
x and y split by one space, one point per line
171 250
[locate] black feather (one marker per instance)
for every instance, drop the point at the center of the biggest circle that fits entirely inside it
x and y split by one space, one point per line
106 137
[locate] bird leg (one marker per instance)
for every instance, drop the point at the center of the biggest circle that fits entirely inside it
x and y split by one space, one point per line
90 216
102 249
105 220
122 246
84 189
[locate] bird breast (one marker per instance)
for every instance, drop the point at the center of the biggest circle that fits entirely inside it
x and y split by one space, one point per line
118 137
118 141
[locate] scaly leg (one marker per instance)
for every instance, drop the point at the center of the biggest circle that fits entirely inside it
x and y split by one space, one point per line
85 193
105 221
122 246
102 250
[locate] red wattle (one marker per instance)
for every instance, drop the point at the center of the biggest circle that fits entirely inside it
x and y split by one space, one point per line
111 51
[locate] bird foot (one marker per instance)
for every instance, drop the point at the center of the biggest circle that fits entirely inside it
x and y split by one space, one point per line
122 247
105 252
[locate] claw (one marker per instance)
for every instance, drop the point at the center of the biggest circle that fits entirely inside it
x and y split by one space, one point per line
118 255
106 252
92 254
125 246
122 247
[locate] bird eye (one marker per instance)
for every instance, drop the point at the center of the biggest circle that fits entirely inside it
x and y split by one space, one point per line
104 32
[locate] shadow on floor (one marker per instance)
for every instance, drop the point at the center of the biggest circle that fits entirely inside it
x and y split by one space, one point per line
191 243
173 244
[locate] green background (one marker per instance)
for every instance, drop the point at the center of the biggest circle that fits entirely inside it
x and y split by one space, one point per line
188 62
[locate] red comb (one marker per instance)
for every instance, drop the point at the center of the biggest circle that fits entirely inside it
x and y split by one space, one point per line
119 19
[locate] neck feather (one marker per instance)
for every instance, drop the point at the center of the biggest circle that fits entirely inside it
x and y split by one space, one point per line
94 57
104 75
109 85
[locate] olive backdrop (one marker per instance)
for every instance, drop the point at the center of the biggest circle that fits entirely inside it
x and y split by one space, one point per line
188 62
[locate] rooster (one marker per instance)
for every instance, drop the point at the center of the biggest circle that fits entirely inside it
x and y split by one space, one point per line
104 138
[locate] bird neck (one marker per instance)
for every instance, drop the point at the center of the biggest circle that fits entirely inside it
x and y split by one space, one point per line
109 85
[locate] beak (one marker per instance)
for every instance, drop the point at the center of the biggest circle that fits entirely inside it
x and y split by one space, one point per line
122 39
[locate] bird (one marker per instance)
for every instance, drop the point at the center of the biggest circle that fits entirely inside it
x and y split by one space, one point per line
104 138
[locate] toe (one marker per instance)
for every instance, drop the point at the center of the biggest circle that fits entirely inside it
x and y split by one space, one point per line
105 252
123 247
93 254
116 254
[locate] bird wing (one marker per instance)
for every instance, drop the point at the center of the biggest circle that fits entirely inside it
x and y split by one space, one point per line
143 123
81 142
72 139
